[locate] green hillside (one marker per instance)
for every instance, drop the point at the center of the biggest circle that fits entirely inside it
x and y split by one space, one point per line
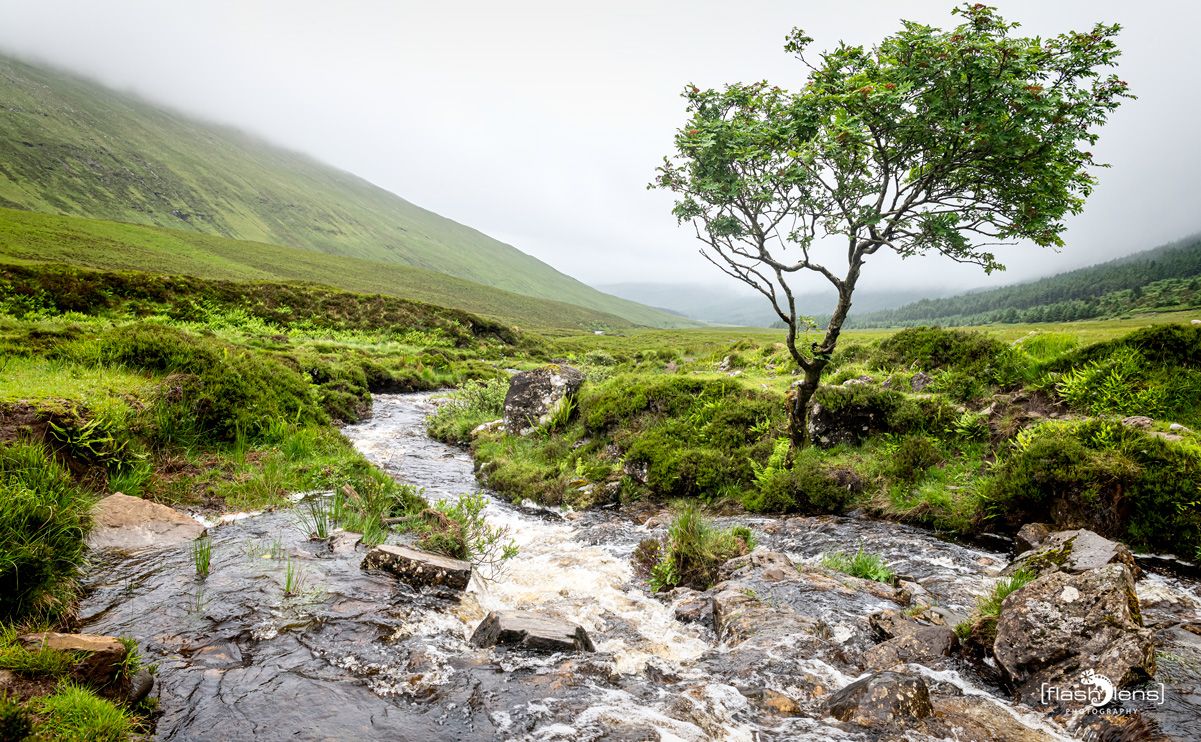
28 237
69 146
1165 279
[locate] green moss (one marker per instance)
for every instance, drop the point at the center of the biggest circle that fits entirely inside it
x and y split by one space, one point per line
1116 480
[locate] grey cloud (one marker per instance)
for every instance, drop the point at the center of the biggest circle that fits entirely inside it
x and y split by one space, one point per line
541 122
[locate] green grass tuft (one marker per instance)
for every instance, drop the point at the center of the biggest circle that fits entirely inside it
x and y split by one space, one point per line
860 564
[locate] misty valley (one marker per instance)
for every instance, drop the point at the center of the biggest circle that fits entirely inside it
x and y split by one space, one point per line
284 455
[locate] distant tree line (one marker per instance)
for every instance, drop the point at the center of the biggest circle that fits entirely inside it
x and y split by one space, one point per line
1165 278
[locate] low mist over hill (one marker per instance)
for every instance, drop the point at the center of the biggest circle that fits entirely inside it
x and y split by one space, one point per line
69 146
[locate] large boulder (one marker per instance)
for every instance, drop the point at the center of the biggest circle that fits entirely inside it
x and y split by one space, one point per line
1063 625
419 568
99 657
129 523
535 397
1075 551
531 631
882 700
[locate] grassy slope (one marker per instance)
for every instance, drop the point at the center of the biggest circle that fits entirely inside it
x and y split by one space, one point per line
30 237
69 146
1114 279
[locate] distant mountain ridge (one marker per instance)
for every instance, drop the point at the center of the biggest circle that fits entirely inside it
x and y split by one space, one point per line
722 305
1161 279
70 146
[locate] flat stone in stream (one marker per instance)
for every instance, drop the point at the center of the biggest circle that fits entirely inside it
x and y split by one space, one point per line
531 631
100 657
129 523
419 568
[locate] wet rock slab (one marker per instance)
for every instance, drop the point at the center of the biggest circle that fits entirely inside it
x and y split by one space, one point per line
129 523
531 631
419 568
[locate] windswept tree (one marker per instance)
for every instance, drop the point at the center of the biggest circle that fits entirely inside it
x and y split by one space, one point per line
950 142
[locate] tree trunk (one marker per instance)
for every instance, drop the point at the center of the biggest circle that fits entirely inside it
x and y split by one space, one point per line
799 397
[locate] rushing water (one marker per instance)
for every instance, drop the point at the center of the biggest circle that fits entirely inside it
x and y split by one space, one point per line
360 656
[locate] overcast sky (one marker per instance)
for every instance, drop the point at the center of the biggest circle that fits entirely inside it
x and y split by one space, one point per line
540 123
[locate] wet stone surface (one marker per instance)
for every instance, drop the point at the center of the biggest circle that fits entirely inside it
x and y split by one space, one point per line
362 655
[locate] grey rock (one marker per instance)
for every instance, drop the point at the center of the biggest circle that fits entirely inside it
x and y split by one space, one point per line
1137 421
140 686
922 645
531 631
419 568
920 381
493 426
1063 624
858 381
881 700
691 606
535 396
891 623
726 364
1074 551
967 718
127 523
344 542
1031 536
1178 428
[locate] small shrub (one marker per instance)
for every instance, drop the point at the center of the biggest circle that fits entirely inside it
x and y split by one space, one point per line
599 358
806 488
471 405
1116 384
860 564
970 353
982 626
460 530
1098 474
913 455
694 550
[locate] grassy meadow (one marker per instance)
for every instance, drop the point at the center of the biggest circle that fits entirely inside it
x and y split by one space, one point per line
221 395
1008 424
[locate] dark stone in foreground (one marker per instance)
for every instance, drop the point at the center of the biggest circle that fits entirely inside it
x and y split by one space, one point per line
531 631
881 699
419 568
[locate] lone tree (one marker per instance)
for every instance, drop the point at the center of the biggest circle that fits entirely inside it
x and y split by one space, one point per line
934 141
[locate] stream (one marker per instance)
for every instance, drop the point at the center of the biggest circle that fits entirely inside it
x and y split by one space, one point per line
357 655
